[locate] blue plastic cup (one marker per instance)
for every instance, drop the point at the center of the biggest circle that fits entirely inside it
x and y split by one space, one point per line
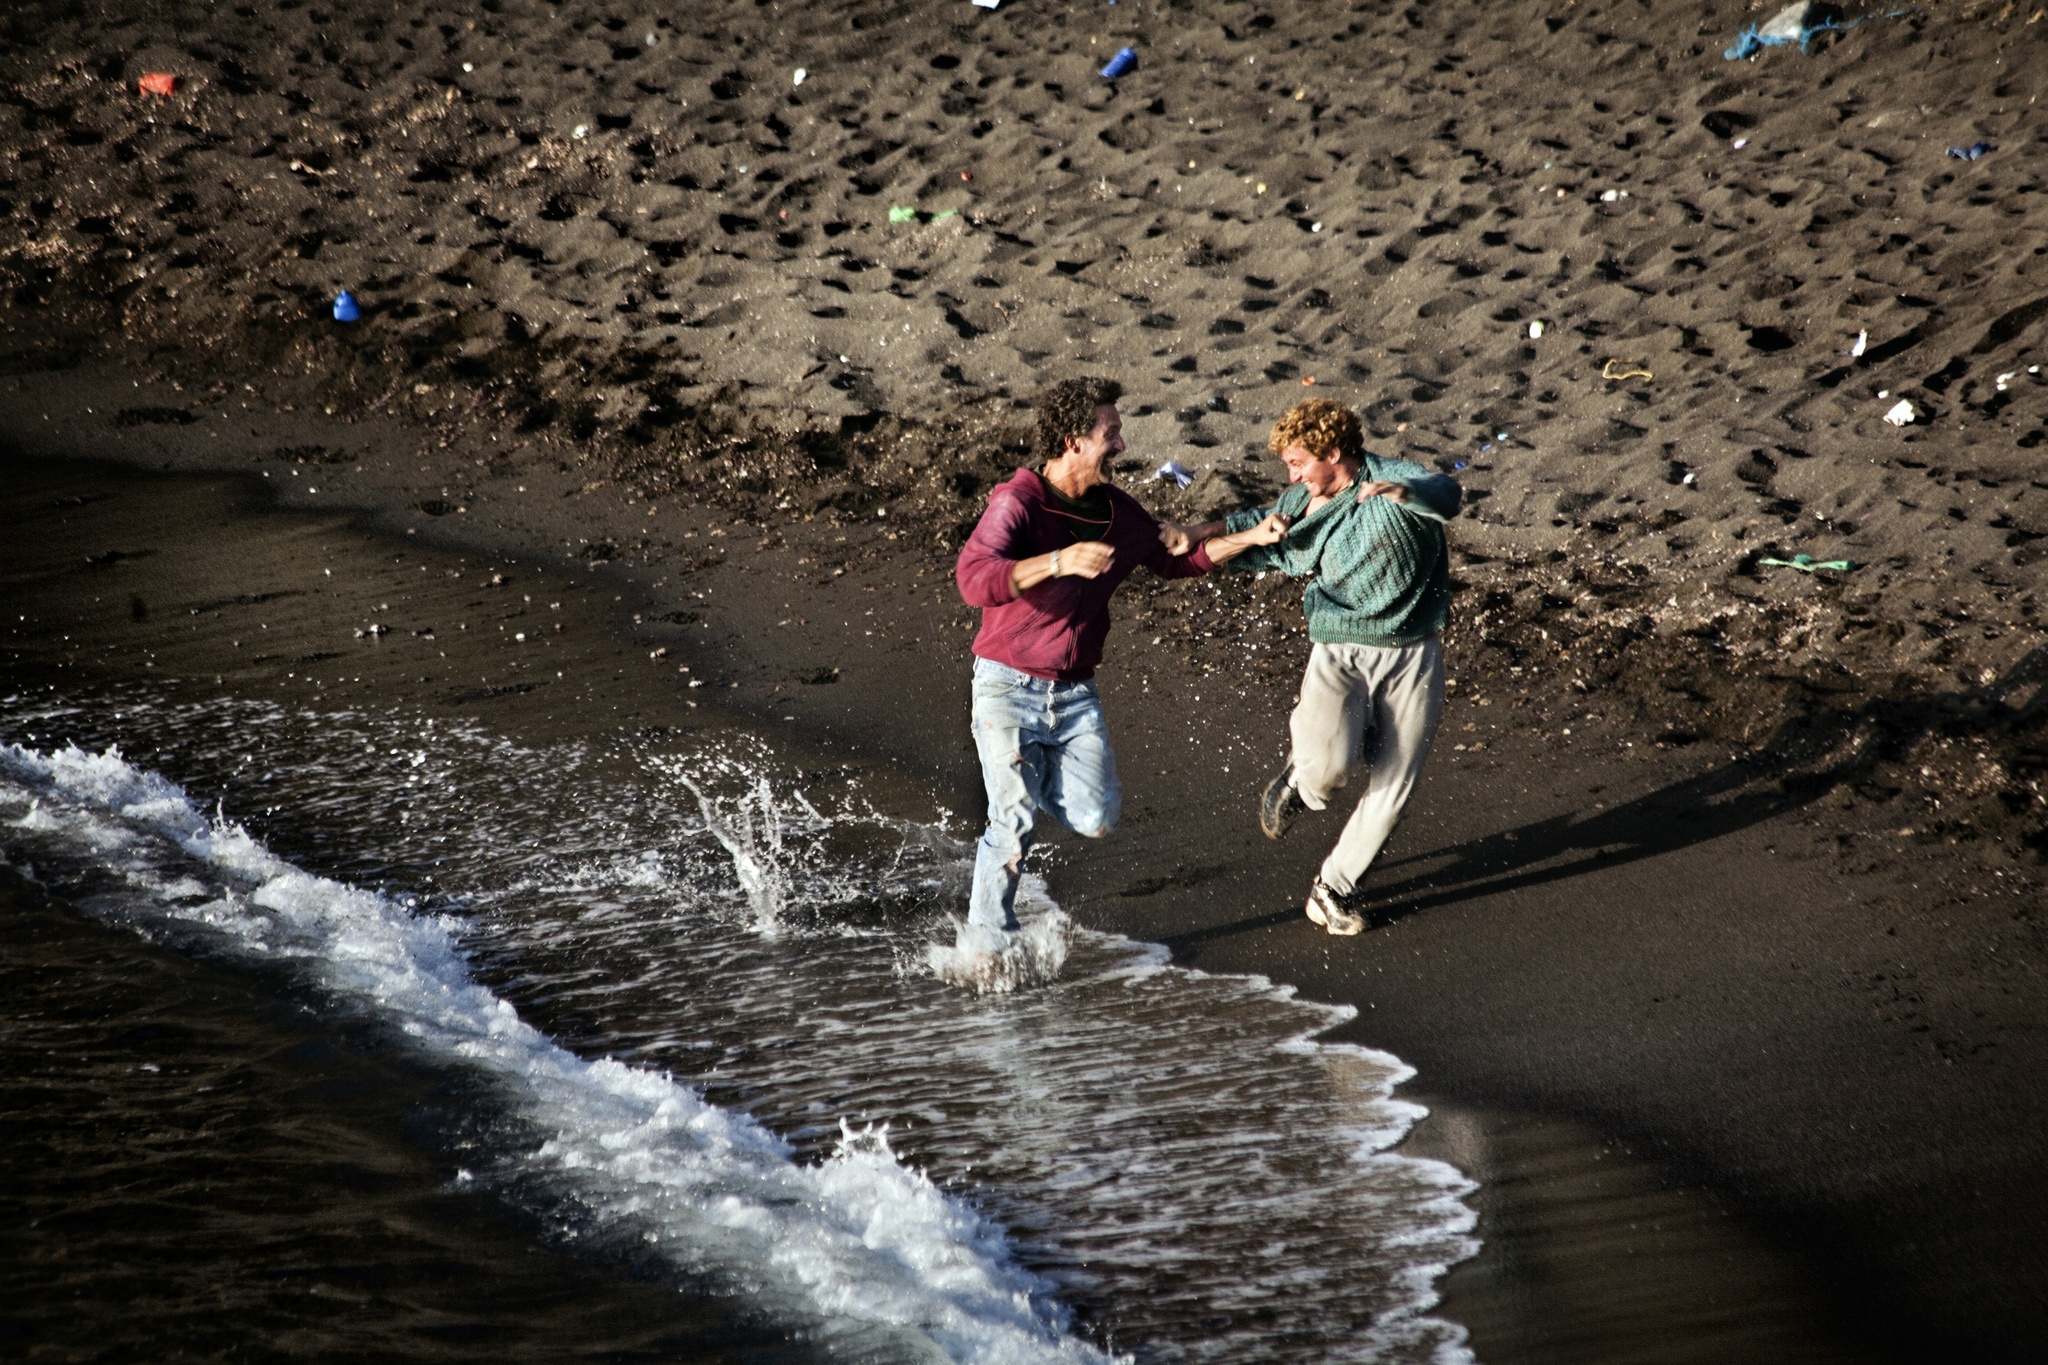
345 307
1122 64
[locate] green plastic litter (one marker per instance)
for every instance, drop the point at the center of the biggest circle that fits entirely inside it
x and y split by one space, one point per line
945 213
902 213
1807 564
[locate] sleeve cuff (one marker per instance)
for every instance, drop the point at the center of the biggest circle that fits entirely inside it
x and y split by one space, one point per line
984 589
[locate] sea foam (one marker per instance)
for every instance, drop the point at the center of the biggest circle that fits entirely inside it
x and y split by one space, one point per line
1181 1165
856 1248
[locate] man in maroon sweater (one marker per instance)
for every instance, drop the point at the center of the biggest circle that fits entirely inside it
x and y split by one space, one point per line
1053 545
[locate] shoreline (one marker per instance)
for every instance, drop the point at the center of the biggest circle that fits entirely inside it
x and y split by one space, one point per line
1189 870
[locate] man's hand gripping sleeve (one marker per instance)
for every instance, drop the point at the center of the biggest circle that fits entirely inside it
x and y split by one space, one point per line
1432 495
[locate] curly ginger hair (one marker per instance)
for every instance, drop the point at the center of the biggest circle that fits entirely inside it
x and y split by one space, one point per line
1320 426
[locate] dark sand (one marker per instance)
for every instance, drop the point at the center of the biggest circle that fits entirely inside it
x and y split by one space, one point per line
635 247
1737 871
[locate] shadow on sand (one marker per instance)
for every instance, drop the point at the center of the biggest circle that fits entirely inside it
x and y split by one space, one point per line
1819 747
1726 798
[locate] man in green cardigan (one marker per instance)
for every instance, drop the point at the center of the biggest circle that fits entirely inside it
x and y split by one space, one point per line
1367 533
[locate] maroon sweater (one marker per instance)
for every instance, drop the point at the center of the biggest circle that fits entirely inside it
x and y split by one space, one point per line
1056 629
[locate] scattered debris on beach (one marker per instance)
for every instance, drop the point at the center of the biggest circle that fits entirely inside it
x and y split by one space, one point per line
671 265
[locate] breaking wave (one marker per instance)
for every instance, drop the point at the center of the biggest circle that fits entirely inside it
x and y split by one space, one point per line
864 1248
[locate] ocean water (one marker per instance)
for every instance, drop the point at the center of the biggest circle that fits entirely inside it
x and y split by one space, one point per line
693 997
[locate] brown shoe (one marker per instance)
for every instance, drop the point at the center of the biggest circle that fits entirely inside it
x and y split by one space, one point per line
1327 908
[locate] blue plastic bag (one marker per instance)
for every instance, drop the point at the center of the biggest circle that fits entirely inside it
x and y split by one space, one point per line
1753 40
1790 26
345 307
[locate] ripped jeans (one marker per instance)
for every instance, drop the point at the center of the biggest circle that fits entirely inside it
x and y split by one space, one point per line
1043 746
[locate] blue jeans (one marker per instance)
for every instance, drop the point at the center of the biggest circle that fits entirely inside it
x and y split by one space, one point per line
1043 746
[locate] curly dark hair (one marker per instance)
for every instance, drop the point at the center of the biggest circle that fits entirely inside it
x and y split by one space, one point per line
1320 426
1068 409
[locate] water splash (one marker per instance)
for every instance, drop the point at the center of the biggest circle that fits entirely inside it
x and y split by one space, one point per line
1032 957
750 829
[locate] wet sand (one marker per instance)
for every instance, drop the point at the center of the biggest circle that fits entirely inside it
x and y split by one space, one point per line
1808 1048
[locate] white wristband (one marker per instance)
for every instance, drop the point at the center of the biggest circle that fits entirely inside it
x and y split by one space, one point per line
1053 567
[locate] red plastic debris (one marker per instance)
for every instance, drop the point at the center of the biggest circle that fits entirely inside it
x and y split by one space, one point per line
967 175
1307 379
158 83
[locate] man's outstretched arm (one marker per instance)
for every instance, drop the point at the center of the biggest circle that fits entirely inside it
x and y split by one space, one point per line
1181 539
1223 548
1178 554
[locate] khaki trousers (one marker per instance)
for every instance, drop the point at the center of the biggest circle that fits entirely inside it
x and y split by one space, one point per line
1372 703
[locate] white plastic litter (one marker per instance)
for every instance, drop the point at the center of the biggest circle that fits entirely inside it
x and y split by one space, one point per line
987 4
1862 342
1535 330
1612 196
1739 143
801 74
1172 469
2005 378
1789 25
1902 414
